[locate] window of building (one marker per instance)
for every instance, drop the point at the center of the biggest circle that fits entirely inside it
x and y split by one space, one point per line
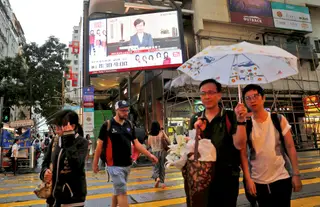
75 62
76 31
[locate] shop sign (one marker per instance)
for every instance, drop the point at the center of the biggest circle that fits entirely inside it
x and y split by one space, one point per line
21 123
251 12
88 110
311 102
293 17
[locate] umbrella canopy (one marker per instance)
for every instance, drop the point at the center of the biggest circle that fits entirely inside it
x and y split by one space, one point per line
242 63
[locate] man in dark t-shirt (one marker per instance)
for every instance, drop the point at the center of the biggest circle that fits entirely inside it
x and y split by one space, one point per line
227 132
119 136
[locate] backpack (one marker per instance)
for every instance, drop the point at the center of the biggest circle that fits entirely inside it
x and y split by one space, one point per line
103 154
46 142
8 154
276 120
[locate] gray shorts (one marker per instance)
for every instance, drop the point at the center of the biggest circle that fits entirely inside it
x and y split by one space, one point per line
119 176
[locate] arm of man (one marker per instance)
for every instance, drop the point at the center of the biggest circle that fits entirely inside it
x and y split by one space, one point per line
240 134
250 185
97 156
144 151
240 138
101 139
292 153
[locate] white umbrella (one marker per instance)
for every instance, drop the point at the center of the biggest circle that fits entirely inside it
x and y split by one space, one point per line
242 63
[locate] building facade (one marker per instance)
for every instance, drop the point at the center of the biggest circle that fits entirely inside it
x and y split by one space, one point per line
11 40
73 84
11 32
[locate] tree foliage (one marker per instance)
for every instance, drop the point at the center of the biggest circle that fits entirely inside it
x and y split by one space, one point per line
35 78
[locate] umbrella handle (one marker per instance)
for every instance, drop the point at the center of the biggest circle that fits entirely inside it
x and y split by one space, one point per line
196 144
239 93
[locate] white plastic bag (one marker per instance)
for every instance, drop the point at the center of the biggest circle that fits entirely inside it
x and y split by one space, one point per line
206 150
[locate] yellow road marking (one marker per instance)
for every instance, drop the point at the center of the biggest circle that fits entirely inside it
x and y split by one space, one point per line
168 202
306 202
131 192
137 177
3 195
309 163
92 197
103 181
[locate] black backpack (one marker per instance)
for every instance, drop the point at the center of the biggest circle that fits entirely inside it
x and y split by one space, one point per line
8 154
103 154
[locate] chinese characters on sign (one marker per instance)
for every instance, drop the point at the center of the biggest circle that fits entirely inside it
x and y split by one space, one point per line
88 111
292 17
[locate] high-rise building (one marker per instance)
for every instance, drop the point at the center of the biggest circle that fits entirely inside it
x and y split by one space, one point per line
73 87
11 32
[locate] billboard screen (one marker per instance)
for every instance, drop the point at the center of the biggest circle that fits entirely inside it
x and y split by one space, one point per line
136 42
256 12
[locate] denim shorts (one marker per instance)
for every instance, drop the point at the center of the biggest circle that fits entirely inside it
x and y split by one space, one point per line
119 176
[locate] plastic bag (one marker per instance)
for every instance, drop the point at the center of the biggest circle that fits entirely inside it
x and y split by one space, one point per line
206 149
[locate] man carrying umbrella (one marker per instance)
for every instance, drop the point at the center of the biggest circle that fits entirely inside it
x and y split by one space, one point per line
227 132
273 157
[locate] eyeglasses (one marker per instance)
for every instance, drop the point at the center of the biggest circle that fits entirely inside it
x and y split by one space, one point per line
124 111
252 97
209 93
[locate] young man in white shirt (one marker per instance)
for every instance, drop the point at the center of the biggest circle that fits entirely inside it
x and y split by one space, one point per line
14 155
271 181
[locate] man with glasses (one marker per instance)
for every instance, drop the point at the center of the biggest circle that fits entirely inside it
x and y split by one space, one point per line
117 139
273 157
227 132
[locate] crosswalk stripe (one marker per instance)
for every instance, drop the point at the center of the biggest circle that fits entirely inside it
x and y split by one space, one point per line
168 174
132 192
142 172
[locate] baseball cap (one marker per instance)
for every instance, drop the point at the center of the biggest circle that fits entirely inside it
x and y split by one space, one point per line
121 104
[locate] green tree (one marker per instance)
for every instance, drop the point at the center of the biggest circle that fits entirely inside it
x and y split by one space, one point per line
35 77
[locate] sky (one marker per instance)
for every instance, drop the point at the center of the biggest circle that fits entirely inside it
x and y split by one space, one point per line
42 18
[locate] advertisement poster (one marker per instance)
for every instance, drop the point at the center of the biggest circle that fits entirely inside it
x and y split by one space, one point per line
253 12
136 42
291 17
88 111
8 138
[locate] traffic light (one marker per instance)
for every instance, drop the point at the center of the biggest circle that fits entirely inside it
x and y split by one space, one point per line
6 115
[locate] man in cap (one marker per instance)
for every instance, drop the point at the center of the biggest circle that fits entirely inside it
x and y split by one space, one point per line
115 138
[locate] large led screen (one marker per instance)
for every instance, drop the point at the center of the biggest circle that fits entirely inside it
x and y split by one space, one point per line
136 42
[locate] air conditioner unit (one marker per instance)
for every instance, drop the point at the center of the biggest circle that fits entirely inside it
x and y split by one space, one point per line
315 43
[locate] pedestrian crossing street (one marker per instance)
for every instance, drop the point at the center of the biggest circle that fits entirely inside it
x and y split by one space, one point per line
18 191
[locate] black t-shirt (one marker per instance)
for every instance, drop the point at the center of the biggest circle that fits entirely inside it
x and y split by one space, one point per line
221 138
118 151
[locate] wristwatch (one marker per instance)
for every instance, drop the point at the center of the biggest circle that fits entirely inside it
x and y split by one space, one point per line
241 123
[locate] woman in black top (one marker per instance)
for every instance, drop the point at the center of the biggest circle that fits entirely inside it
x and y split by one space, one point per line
64 163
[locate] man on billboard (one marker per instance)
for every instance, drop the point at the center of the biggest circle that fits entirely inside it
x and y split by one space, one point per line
141 38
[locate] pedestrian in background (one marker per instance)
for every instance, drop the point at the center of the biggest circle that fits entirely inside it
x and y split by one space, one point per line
156 139
14 155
